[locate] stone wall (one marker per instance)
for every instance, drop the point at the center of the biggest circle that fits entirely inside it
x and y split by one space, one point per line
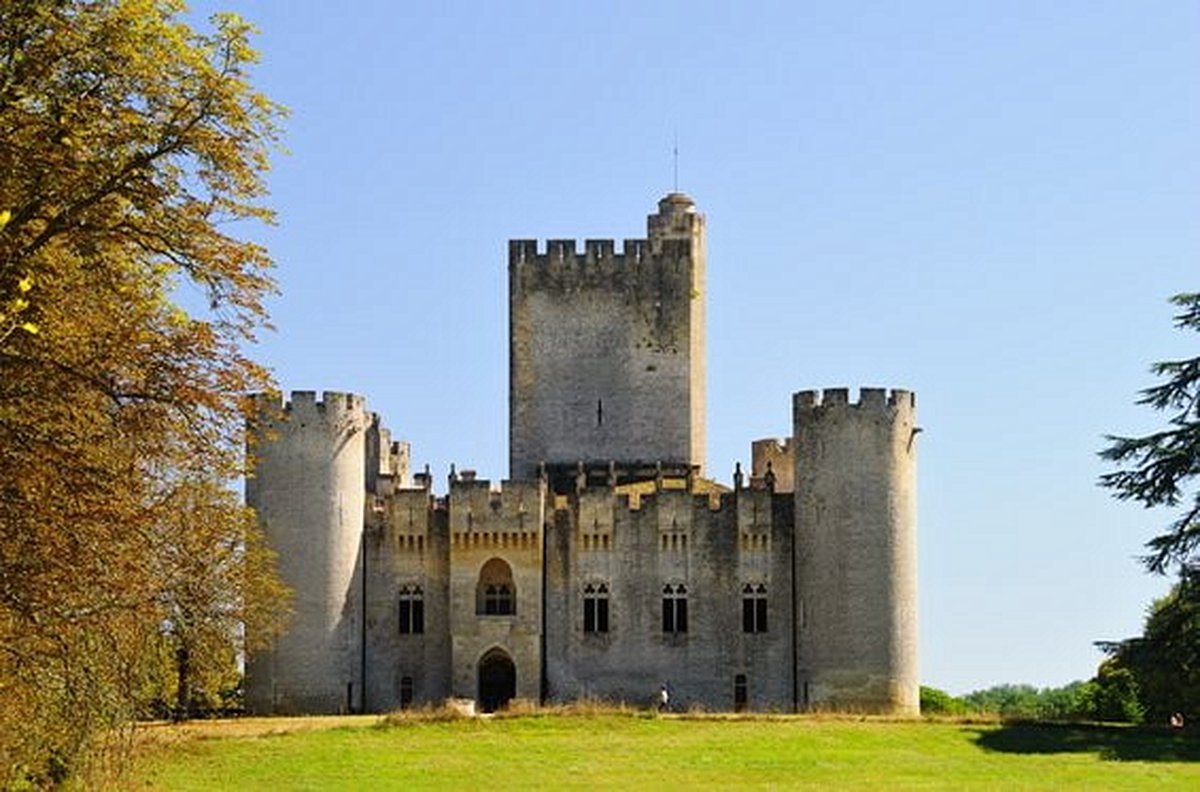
713 547
408 547
774 455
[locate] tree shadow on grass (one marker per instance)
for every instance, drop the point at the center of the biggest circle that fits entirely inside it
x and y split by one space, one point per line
1113 743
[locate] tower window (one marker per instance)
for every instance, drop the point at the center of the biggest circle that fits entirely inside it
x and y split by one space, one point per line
599 412
754 608
412 610
740 693
674 609
595 608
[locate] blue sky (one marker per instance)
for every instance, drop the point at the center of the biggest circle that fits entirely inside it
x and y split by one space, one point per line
986 202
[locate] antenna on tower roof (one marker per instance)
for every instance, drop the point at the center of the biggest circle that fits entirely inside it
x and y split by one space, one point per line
675 153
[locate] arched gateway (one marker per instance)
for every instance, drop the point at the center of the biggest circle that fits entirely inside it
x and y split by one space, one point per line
497 680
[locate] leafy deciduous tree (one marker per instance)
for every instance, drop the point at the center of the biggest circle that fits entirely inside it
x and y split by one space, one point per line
129 143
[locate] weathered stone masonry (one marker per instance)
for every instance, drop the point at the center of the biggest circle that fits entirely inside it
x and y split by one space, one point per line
608 565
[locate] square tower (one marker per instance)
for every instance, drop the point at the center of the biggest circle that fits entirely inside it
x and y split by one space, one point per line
607 350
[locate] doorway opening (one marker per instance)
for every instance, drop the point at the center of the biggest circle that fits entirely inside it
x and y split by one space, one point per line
497 680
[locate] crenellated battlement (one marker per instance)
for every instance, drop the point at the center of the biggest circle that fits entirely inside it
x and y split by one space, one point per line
544 252
811 402
618 500
561 260
514 507
305 404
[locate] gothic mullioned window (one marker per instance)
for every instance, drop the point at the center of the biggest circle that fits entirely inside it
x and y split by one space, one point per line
498 600
754 608
412 610
496 595
595 608
674 609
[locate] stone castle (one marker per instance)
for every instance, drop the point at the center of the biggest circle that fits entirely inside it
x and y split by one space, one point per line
608 565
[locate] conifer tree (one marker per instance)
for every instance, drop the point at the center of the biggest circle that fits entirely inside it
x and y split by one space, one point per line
1163 467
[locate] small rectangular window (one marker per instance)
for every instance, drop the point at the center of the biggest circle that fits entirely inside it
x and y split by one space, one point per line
406 692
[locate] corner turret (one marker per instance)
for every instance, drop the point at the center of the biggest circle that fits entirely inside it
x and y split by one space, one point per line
856 550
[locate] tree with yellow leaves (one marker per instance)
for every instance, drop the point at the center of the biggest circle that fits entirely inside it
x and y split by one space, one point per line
129 146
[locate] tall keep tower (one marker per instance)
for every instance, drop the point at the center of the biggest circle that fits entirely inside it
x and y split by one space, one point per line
607 350
856 550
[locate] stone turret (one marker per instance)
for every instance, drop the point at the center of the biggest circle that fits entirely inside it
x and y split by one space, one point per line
309 490
856 550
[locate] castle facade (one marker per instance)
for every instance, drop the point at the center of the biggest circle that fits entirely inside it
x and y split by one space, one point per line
607 565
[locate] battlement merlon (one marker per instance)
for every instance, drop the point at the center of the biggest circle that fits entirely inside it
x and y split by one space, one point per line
809 403
602 266
557 252
271 405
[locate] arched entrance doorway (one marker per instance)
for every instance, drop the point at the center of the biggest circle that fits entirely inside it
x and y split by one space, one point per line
497 680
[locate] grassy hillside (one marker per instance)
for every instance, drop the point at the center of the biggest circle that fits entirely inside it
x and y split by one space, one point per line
628 751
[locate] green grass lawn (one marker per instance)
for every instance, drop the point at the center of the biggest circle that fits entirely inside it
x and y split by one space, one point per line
631 751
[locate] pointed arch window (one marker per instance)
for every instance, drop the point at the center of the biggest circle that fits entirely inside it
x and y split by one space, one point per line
674 609
412 610
754 608
495 594
595 608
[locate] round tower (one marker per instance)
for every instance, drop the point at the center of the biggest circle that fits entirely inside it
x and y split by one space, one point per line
308 488
856 551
